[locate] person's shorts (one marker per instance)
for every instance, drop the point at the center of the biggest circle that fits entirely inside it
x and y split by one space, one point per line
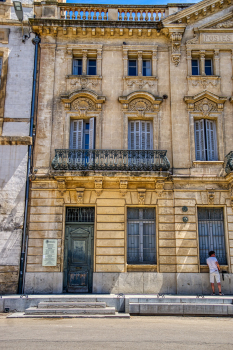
216 275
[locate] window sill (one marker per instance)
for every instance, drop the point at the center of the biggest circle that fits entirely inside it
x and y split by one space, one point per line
201 163
141 268
205 269
83 76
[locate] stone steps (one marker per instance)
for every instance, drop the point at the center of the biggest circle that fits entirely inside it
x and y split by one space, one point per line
69 304
70 309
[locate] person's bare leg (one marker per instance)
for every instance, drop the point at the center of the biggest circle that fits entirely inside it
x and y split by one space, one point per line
219 288
212 286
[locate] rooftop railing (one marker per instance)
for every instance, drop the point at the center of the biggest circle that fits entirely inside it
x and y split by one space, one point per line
123 13
115 160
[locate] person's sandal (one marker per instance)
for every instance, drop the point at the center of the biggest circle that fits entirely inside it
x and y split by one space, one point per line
221 294
213 294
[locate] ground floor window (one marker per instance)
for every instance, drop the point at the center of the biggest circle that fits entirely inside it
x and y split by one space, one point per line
211 234
141 242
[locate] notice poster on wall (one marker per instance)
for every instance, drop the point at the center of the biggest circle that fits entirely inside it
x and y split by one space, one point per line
49 252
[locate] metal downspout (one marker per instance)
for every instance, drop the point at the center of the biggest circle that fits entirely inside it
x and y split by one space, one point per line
36 42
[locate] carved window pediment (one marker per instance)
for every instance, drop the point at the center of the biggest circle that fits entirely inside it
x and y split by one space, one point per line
140 102
205 103
83 101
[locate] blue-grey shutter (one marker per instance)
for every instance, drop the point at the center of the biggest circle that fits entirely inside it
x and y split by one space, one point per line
76 134
140 135
199 139
92 133
211 140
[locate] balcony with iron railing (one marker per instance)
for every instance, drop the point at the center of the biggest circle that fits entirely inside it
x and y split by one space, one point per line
110 160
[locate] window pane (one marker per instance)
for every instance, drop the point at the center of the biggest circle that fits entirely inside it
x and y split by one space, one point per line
133 67
77 67
195 67
91 67
211 234
146 68
141 239
208 67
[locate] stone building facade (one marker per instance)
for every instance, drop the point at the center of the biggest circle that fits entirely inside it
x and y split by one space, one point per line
16 62
131 184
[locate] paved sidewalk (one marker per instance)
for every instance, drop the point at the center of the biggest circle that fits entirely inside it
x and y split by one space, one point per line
140 333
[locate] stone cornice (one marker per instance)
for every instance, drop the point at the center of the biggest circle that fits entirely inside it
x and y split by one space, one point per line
197 11
15 140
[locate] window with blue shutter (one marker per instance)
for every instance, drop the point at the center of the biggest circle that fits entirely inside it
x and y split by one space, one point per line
77 66
82 134
140 135
205 140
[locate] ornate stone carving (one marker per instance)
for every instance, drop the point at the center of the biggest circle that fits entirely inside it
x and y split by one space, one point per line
61 186
141 196
80 195
159 188
140 105
211 195
194 40
205 106
204 82
98 186
226 24
123 187
85 82
83 105
176 38
139 83
231 194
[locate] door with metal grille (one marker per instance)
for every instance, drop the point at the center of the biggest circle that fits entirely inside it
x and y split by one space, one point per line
211 234
79 247
141 242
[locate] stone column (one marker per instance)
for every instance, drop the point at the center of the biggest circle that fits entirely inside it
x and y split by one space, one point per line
125 60
99 62
189 61
84 62
139 63
202 67
69 55
216 63
154 63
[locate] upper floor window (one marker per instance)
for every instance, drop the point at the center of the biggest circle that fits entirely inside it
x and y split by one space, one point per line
132 68
91 66
77 66
82 133
205 140
140 135
146 68
208 67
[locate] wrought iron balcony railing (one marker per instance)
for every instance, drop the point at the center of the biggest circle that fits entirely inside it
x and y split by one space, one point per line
229 162
120 160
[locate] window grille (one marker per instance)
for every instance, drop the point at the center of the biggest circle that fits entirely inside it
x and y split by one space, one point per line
141 234
80 214
211 234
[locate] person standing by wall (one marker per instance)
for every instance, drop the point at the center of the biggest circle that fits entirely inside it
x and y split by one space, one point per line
214 268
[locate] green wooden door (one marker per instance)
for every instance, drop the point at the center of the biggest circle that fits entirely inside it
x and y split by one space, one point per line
78 258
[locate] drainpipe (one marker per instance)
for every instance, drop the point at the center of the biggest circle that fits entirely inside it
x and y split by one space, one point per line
23 257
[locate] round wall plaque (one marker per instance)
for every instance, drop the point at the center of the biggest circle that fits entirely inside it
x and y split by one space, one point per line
185 219
184 208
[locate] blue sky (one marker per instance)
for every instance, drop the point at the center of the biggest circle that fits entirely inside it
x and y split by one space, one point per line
133 2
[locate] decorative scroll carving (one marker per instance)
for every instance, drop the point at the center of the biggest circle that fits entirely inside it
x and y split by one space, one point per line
83 104
98 186
141 196
205 106
204 82
141 105
140 83
61 186
231 195
80 195
176 42
85 82
123 187
194 40
226 24
211 195
159 187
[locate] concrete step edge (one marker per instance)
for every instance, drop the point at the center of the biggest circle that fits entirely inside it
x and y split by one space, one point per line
48 305
23 315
